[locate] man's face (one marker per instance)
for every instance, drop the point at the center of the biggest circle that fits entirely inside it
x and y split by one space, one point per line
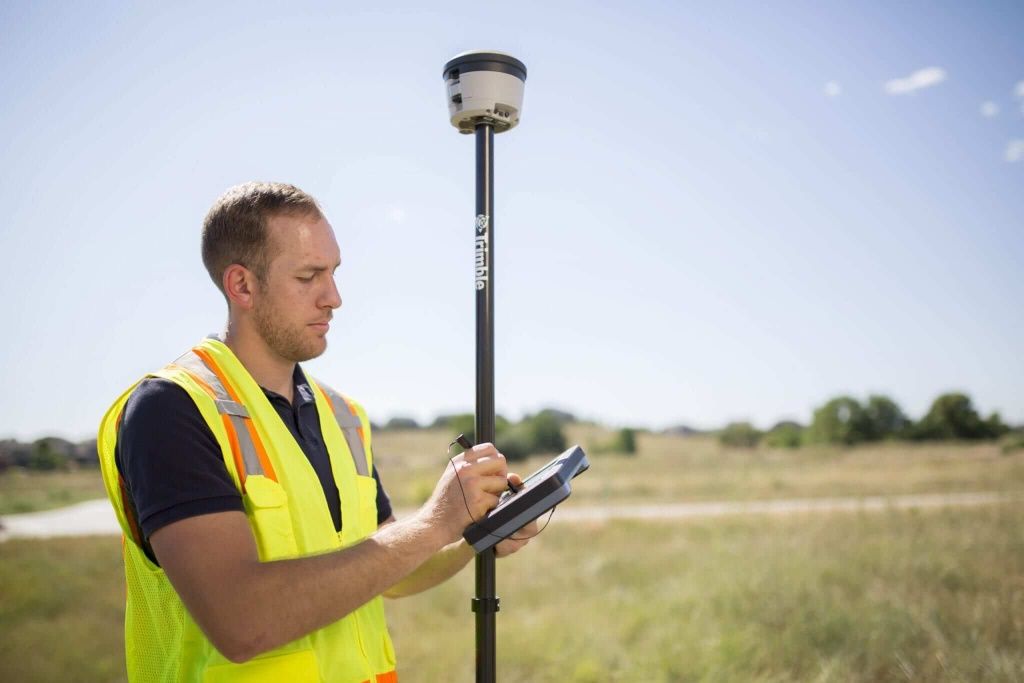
295 303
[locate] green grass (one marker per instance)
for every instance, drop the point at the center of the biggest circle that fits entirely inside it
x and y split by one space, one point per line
24 491
895 596
62 610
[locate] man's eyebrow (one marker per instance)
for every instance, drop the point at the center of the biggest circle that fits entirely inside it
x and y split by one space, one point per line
318 269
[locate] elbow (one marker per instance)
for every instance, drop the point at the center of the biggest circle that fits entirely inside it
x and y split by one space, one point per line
394 592
239 644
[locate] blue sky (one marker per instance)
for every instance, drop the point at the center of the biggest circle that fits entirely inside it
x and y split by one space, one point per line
709 212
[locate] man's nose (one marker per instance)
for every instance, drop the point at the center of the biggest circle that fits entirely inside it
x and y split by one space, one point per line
333 297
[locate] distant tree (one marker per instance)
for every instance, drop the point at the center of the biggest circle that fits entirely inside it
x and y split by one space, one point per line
953 416
465 423
402 423
785 434
85 454
45 456
514 443
561 416
996 426
544 432
682 430
623 442
842 420
441 421
883 418
739 435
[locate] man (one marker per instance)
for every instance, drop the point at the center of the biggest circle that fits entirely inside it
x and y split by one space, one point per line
258 538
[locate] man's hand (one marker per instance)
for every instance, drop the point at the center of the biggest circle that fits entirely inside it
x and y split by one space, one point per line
519 539
475 482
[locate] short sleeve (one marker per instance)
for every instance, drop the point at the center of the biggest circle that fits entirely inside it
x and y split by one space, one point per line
169 458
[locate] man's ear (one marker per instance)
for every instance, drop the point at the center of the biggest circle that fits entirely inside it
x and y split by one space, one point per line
239 285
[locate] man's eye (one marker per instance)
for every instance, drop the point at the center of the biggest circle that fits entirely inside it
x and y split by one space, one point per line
305 279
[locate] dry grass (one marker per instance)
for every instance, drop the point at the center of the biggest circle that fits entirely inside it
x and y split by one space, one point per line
675 469
892 596
666 469
897 596
900 596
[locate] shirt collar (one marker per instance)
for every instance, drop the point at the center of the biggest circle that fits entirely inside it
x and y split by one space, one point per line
300 389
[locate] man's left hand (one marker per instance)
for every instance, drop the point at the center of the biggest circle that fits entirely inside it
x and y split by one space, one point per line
519 539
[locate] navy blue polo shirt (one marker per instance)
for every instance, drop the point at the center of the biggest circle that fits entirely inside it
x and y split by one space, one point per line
173 467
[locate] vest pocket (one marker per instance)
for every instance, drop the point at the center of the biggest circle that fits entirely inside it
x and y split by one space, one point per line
294 667
266 503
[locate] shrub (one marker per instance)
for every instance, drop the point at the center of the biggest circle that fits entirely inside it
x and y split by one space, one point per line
883 419
544 432
842 420
402 423
623 442
739 435
514 444
563 417
952 416
784 435
45 457
465 423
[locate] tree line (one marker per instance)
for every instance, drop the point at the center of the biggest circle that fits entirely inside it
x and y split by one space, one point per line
842 420
846 421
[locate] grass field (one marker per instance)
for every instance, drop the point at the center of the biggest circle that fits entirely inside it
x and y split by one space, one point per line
666 469
22 491
899 596
893 596
673 469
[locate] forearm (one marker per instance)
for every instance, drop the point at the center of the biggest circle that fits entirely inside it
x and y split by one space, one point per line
246 607
438 569
286 599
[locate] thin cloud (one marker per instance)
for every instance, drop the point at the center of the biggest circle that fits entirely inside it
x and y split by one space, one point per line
923 78
989 109
1015 151
395 214
1018 90
833 89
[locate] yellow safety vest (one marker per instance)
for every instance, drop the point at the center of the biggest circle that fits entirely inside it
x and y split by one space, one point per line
285 505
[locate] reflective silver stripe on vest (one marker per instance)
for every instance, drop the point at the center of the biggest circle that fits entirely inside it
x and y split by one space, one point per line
350 425
226 405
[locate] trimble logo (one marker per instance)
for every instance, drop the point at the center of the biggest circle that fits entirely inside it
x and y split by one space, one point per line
482 252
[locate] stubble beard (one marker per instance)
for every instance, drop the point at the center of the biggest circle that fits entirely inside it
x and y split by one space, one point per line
291 343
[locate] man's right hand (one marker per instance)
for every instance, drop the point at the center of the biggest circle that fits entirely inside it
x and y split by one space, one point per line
482 472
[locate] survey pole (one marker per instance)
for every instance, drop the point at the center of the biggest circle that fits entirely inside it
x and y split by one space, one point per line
486 603
485 96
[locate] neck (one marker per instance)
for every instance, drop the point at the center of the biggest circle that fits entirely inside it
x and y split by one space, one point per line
270 370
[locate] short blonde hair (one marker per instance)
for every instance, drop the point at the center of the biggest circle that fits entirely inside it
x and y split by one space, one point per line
235 228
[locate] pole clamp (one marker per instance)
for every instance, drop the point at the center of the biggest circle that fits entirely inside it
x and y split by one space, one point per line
487 605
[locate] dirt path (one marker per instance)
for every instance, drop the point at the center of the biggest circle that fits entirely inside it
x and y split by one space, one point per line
95 516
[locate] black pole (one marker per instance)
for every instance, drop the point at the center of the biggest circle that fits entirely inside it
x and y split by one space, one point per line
485 604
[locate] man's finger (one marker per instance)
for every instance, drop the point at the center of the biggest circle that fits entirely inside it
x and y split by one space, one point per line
481 450
488 465
528 530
